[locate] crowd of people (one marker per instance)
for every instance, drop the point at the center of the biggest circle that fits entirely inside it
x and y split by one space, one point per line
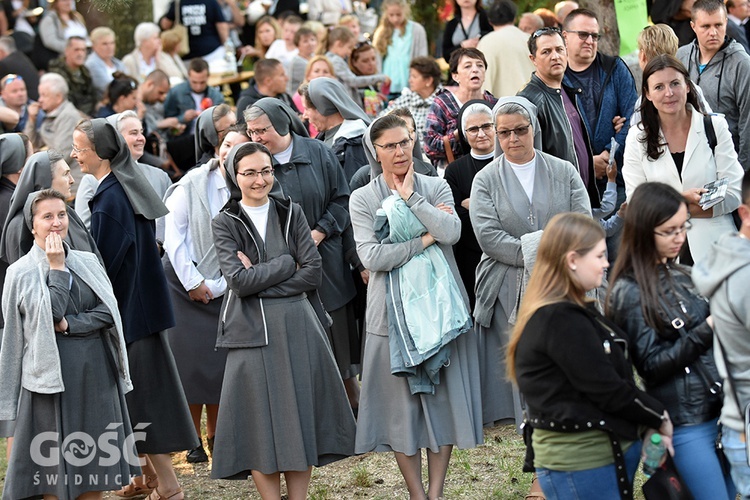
358 253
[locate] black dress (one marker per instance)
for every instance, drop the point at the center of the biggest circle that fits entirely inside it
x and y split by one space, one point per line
459 175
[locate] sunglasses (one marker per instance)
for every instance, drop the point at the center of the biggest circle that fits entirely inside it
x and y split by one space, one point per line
10 78
584 35
546 31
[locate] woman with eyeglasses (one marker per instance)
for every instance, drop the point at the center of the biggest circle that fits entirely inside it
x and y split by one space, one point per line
478 131
512 200
677 144
670 332
435 405
283 405
193 274
121 95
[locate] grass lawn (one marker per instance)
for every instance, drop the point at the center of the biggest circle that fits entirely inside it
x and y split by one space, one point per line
491 471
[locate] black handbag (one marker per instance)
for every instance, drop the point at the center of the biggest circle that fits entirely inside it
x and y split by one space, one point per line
666 484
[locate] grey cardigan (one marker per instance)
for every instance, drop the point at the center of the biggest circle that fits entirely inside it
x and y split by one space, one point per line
29 357
380 258
499 227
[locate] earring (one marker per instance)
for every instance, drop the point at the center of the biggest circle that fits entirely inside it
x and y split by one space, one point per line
573 268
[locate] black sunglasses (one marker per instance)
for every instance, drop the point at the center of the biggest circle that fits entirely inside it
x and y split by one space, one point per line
546 31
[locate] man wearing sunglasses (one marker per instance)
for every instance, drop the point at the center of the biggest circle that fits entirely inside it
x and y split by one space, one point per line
14 97
608 92
560 114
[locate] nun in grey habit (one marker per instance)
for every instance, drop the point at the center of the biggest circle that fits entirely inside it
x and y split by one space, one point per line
508 216
17 239
391 418
12 158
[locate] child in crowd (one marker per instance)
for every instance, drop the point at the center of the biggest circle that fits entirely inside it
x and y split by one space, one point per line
398 40
318 67
338 46
267 30
284 49
306 42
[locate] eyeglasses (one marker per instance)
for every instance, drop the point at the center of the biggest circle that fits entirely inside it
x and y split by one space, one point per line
10 78
253 174
675 232
258 131
79 151
584 35
519 131
474 131
391 148
364 43
545 31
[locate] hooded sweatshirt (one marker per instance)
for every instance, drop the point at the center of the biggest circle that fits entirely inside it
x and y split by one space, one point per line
722 277
724 82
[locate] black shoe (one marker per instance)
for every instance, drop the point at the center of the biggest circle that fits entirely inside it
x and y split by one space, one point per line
197 455
210 445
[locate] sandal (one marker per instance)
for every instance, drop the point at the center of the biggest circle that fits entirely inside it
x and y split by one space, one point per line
140 487
159 496
535 495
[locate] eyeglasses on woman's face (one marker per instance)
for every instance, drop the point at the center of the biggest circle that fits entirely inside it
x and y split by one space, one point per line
486 128
253 174
405 145
503 134
675 232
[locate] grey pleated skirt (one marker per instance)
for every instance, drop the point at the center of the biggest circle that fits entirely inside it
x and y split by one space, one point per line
392 419
283 406
157 404
501 400
193 340
91 411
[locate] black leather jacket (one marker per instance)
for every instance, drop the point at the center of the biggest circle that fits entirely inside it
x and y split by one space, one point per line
557 135
676 360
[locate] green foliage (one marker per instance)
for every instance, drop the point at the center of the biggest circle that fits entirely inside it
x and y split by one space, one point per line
425 12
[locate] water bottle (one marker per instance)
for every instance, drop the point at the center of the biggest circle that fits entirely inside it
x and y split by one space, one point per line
653 452
230 57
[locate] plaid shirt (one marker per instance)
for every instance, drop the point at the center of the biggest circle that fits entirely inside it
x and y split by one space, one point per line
442 120
419 107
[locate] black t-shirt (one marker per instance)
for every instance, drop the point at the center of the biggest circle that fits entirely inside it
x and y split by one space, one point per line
589 81
200 17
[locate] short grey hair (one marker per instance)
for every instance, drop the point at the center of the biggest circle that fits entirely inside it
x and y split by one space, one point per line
100 33
144 31
7 44
253 113
512 108
56 84
125 115
475 109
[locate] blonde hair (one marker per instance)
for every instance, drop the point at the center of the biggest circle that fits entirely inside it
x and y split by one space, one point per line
315 59
656 40
276 28
552 280
384 32
340 34
74 15
170 39
100 33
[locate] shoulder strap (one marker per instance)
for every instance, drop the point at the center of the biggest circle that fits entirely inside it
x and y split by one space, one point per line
708 124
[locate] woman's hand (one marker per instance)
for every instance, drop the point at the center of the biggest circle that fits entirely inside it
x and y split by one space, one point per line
61 326
446 208
244 259
55 252
693 198
201 294
405 185
427 240
365 275
710 321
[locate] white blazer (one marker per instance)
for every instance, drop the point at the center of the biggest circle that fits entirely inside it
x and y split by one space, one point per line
698 169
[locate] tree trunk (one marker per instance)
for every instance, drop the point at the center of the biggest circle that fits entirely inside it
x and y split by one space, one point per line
605 13
120 15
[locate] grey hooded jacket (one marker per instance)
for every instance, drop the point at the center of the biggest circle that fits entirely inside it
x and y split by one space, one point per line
725 81
722 278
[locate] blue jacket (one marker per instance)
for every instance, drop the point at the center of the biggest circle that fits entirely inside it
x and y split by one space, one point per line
127 243
618 98
179 100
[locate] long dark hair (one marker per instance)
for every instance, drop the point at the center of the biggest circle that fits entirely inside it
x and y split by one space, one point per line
649 115
652 204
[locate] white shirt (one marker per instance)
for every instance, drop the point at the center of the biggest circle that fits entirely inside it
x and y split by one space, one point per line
178 242
259 217
525 174
284 156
